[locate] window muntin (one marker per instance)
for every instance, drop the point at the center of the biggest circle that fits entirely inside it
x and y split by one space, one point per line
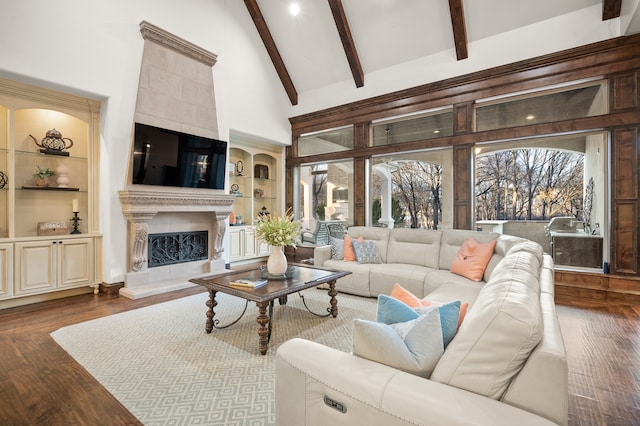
417 127
578 101
334 140
413 190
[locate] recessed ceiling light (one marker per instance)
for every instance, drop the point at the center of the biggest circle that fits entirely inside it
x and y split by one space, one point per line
530 117
294 9
436 131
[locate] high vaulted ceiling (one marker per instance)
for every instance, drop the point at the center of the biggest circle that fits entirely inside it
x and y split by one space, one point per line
336 40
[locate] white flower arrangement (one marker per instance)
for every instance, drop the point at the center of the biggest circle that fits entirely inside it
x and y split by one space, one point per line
278 230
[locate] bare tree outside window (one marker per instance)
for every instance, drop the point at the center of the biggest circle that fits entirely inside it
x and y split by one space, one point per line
529 184
417 186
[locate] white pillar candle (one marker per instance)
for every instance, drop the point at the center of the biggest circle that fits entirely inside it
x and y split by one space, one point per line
75 206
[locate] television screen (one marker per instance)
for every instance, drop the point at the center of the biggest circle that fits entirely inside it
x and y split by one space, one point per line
169 158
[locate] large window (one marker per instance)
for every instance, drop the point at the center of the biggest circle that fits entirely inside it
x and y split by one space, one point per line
552 190
414 127
576 101
334 140
413 190
324 196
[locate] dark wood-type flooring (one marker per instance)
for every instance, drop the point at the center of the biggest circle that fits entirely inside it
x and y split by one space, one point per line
40 384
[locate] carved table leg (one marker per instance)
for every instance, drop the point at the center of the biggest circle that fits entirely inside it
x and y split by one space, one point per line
211 303
264 331
334 302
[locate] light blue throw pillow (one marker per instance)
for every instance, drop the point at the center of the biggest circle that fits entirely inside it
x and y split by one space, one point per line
392 311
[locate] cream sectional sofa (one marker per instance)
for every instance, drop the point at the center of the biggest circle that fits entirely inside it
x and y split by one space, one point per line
505 366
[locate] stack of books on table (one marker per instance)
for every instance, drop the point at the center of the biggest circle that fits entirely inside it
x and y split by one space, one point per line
248 282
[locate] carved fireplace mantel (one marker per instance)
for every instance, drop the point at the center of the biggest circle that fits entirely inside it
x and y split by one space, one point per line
140 206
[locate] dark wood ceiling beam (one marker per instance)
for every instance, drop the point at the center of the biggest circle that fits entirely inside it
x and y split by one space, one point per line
459 28
270 45
611 9
347 41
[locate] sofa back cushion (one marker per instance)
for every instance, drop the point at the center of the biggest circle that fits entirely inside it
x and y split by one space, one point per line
414 246
452 240
499 332
369 233
504 243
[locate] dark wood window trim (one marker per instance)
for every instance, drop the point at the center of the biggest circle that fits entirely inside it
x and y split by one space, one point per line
616 60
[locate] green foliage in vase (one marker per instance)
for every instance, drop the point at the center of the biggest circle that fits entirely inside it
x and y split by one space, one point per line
278 230
43 173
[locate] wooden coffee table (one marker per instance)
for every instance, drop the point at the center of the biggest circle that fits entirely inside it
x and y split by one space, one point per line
302 278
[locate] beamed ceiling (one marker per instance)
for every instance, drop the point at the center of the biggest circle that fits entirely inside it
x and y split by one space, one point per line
335 40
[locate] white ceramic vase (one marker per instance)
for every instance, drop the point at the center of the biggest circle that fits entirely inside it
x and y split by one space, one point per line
277 261
63 176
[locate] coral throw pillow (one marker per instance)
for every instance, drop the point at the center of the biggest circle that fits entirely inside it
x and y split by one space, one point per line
472 259
349 254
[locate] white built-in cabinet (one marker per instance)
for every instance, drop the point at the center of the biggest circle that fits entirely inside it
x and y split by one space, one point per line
34 262
244 245
255 181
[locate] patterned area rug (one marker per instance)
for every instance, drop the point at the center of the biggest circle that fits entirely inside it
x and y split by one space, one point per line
160 364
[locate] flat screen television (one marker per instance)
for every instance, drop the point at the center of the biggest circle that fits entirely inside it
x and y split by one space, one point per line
169 158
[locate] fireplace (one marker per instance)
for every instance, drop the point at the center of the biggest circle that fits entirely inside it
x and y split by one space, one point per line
169 248
175 92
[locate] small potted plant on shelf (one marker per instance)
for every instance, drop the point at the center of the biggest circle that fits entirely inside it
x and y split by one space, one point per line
42 175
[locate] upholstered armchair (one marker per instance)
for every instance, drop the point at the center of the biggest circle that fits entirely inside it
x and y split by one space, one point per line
309 236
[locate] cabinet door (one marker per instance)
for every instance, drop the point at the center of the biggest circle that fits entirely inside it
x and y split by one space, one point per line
250 244
35 266
236 237
76 263
264 249
6 270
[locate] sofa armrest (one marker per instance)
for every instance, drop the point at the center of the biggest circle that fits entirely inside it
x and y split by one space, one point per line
321 254
308 373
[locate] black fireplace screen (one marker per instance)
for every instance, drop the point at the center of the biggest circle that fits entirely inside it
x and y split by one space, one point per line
177 247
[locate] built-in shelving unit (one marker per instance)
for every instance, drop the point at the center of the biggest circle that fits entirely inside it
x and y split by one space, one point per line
254 176
31 263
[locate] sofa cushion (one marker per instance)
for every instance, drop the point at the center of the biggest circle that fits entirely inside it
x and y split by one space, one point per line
414 346
472 259
337 248
462 289
366 252
384 276
414 246
499 332
355 283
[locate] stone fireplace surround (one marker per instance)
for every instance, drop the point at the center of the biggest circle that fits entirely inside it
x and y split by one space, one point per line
175 92
171 210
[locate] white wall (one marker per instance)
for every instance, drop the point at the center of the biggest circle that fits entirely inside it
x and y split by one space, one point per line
94 48
564 32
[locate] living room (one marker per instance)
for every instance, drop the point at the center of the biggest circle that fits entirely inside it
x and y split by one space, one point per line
94 51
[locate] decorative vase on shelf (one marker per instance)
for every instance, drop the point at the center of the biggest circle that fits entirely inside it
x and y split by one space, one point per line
42 182
63 176
277 261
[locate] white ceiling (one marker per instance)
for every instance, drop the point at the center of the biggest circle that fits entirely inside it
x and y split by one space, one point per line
390 32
